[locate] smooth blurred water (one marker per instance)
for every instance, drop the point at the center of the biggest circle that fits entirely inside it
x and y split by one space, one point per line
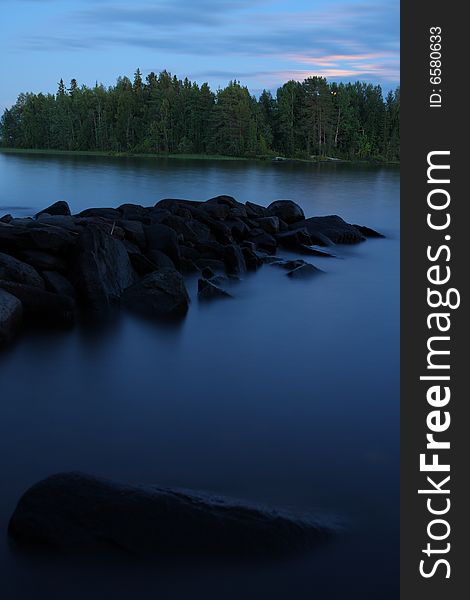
287 395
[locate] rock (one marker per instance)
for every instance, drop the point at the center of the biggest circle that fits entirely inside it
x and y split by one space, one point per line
256 210
294 239
163 239
286 210
210 249
43 261
36 236
134 232
252 260
334 228
132 212
234 260
216 210
269 224
103 269
288 265
216 265
11 313
58 208
308 250
207 273
191 230
40 306
111 214
224 201
238 228
162 261
159 294
368 232
142 265
262 240
174 203
304 271
208 290
78 512
6 219
12 269
69 223
58 284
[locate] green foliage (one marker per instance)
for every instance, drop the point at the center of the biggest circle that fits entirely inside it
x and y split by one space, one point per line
164 114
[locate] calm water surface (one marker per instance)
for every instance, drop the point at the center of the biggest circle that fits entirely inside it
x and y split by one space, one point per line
287 395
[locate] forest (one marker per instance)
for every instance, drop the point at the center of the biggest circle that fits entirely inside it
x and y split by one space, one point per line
164 114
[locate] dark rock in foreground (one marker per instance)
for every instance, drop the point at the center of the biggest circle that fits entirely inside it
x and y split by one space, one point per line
74 511
11 312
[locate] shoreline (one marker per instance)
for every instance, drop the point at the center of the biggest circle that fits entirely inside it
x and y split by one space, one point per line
219 157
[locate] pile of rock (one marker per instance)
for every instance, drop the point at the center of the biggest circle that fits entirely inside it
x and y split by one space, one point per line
134 256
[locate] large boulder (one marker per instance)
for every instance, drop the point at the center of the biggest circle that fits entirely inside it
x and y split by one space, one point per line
159 294
12 269
11 312
287 210
103 269
58 208
75 511
39 306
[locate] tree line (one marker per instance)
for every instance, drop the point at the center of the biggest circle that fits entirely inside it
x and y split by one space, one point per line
164 114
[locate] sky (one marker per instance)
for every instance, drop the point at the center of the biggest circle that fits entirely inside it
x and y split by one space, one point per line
262 43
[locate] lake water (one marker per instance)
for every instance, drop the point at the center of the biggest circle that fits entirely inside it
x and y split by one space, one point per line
287 395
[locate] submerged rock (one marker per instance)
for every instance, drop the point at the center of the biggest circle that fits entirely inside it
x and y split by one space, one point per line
11 312
304 271
75 511
209 290
368 232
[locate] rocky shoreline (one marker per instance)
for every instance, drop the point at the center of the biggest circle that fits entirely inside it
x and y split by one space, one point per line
57 267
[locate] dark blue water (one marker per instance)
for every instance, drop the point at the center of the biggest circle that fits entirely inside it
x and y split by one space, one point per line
287 395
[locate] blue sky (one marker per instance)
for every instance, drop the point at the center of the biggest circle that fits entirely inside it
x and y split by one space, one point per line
263 43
